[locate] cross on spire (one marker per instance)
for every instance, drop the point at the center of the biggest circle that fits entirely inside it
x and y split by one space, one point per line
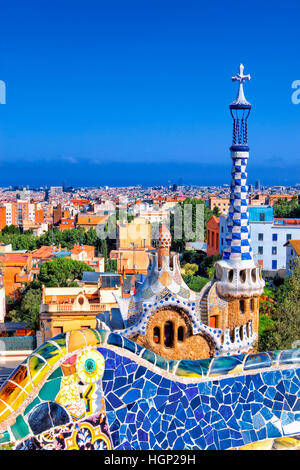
241 78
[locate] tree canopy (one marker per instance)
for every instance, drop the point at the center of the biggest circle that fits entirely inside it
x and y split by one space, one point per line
287 209
67 239
285 329
61 272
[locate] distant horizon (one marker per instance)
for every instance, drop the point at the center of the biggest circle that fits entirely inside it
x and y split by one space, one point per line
60 172
120 94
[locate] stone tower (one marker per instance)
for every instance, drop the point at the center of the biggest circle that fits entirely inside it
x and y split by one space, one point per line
238 279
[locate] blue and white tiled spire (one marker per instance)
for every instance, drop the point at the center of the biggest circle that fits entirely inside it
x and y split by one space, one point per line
236 274
238 244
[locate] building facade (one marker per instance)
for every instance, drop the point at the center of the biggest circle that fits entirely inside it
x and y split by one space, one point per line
213 236
292 253
268 236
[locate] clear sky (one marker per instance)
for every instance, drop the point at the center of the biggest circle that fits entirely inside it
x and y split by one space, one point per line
136 92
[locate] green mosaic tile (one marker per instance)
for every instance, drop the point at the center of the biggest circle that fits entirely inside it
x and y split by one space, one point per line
4 437
49 391
20 428
57 373
31 405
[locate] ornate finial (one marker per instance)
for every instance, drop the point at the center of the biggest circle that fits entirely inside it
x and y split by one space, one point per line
240 100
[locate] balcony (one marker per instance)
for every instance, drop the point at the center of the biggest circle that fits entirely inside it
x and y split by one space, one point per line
56 308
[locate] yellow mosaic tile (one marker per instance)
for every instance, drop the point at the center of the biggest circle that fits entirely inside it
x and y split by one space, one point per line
77 340
286 443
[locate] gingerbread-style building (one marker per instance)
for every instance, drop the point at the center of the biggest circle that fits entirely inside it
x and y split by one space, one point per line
166 317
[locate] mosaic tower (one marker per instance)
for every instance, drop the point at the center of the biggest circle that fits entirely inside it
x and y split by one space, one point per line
164 241
237 275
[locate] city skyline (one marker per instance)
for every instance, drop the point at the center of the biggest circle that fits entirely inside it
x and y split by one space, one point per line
110 95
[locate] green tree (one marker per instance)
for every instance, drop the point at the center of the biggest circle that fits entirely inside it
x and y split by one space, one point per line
195 283
61 272
287 209
286 327
190 269
30 308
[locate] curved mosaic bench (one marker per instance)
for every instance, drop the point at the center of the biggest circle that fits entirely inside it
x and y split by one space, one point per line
92 389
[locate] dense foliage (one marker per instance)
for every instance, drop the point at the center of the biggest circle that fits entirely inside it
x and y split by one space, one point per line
287 209
62 272
67 239
195 283
285 329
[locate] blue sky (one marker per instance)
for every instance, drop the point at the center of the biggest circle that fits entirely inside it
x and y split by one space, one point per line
128 92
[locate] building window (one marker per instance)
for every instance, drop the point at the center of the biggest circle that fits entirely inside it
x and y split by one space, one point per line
274 237
274 250
213 238
274 264
252 305
260 237
156 334
169 334
242 306
262 217
180 334
260 250
243 276
288 237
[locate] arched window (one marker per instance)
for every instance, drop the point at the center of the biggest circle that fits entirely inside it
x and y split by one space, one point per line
180 333
156 334
243 276
169 334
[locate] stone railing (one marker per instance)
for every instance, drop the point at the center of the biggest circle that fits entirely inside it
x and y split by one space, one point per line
53 308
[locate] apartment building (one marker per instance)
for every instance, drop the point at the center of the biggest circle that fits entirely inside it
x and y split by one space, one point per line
18 213
223 204
268 238
135 234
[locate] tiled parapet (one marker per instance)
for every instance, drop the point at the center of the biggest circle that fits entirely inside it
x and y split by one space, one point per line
102 387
